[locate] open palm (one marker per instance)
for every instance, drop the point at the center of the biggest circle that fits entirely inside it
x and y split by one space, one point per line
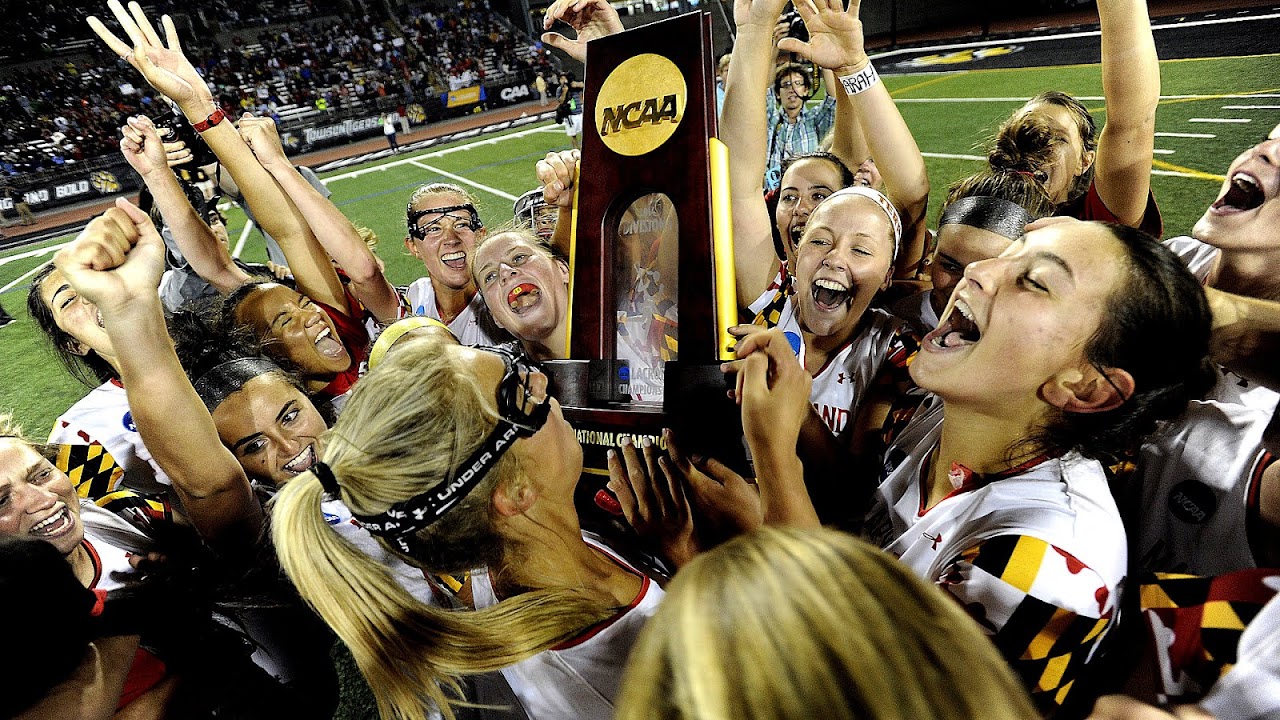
835 34
163 65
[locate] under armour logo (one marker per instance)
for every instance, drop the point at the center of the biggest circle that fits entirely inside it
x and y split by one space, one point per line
935 538
840 378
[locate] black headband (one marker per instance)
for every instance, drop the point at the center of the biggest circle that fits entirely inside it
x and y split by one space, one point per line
220 381
993 214
398 523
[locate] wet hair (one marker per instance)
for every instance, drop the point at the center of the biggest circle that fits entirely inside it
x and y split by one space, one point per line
405 429
846 175
89 368
205 338
789 69
1157 300
1025 142
849 633
54 642
1018 188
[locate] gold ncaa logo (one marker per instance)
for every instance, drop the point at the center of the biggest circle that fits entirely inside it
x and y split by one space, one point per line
104 182
640 104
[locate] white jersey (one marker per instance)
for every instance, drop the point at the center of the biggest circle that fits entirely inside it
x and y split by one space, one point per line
473 326
580 679
917 311
1037 555
338 516
1199 257
838 388
102 417
1199 481
1250 690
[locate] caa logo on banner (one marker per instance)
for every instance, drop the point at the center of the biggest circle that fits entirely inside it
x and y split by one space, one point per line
512 93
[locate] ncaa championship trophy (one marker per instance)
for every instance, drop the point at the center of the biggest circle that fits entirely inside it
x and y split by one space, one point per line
652 291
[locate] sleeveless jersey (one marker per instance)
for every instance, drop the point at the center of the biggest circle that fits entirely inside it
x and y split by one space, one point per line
102 418
579 679
1036 555
473 326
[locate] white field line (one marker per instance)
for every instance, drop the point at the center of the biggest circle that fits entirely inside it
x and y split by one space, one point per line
249 225
1066 36
24 276
1220 120
979 158
1158 151
1251 107
40 252
1197 136
1082 98
465 181
440 153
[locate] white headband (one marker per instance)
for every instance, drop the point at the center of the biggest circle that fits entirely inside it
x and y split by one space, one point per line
879 199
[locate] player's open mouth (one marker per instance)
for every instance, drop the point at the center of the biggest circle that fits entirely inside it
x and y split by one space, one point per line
455 260
54 525
522 297
797 230
1244 193
957 329
830 295
327 345
302 462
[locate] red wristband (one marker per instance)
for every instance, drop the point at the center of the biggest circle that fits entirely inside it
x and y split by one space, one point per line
217 117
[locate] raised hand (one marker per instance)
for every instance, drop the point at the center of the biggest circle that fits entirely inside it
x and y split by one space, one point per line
761 14
162 64
116 261
142 148
651 494
835 34
260 134
590 19
774 391
556 174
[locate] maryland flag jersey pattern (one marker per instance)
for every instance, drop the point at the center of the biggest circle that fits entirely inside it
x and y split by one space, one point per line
1020 589
1196 622
96 476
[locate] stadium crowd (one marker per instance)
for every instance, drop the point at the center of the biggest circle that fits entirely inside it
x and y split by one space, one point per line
1012 466
56 113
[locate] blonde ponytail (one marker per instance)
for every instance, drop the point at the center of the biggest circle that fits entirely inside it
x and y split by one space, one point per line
404 429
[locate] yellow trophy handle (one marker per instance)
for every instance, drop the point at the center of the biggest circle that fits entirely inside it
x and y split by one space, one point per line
726 280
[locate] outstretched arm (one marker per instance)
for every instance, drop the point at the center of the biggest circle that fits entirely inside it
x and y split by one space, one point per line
558 173
330 227
1131 86
168 70
116 264
142 148
590 19
836 43
743 128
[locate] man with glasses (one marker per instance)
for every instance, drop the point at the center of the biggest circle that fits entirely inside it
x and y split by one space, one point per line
793 128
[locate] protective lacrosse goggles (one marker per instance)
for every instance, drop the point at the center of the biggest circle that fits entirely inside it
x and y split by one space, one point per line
520 415
419 232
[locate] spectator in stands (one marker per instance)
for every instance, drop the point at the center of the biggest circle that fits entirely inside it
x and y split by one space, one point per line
540 84
571 104
389 131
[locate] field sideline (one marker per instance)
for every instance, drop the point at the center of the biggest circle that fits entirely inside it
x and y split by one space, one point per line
1212 109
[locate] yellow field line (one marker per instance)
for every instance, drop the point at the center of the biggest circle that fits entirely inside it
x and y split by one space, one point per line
931 81
1198 98
1198 174
1085 65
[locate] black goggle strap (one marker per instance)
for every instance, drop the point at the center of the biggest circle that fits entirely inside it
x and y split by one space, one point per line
399 522
415 215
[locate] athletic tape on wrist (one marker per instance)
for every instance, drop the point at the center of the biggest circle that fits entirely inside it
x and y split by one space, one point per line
861 81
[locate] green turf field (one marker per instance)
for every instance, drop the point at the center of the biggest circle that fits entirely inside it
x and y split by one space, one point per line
948 123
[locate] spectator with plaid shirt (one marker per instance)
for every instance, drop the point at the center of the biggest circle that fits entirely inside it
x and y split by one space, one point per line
794 128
